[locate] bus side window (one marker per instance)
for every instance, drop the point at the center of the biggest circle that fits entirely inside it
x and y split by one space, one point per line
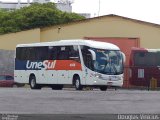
41 53
23 55
18 53
63 53
74 53
87 57
31 53
52 52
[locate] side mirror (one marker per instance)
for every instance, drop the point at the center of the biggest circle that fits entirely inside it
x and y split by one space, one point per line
124 57
93 54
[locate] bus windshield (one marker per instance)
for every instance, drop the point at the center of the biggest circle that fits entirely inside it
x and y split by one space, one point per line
108 62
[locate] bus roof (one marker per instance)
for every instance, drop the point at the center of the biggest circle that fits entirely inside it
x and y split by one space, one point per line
144 49
90 43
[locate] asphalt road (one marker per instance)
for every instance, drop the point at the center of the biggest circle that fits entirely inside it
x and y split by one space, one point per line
47 101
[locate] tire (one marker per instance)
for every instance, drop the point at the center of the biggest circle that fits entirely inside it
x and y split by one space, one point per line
33 84
77 84
103 88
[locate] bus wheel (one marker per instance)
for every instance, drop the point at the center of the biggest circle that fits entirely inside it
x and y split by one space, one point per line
78 85
33 84
103 88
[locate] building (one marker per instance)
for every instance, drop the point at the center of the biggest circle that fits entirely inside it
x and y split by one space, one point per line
40 1
86 15
63 6
122 31
108 26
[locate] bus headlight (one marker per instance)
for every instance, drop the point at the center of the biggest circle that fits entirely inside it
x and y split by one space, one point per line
95 81
98 75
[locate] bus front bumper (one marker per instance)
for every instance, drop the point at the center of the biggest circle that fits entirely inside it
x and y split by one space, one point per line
109 81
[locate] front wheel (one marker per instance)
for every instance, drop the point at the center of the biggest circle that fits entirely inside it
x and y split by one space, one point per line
103 88
78 85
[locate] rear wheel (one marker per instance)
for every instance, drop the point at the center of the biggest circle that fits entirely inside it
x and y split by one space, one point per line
103 88
33 84
77 84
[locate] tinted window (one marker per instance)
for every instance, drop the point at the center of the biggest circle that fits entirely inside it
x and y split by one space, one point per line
9 77
41 53
87 57
21 53
2 77
48 53
145 59
32 53
52 51
74 53
63 52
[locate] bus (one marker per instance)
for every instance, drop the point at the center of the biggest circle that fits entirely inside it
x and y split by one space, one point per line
69 62
144 66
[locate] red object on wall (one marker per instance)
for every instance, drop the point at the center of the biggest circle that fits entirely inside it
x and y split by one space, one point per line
125 44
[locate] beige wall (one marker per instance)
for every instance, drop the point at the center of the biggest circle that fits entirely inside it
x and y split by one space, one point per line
107 26
9 41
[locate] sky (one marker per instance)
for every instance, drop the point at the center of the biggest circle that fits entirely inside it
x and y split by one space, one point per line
145 10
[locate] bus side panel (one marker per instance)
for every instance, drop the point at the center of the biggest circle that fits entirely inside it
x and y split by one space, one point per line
41 76
62 77
89 76
50 77
21 76
18 76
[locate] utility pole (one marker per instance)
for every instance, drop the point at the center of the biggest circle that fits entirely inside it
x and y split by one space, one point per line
99 7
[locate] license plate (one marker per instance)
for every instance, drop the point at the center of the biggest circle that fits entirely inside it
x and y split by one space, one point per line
109 83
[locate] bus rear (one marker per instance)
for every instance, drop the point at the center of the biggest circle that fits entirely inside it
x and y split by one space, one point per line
144 66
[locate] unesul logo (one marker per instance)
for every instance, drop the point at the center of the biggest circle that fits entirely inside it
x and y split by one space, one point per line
45 65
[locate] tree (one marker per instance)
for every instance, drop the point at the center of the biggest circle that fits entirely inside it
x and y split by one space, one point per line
34 16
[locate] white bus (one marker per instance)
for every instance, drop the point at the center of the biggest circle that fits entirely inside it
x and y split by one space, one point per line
69 62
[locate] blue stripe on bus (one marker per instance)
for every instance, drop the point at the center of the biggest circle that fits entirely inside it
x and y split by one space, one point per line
22 65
